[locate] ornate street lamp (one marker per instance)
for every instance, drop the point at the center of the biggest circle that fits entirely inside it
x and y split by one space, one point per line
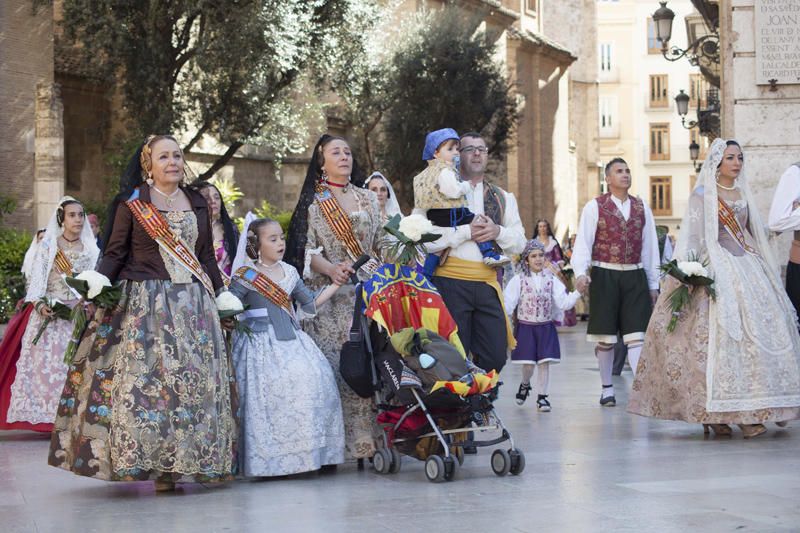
694 151
682 105
707 118
704 49
663 18
694 154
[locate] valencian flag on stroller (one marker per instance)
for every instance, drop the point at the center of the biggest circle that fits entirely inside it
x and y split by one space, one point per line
398 297
427 392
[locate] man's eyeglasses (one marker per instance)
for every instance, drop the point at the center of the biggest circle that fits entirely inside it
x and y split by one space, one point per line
478 149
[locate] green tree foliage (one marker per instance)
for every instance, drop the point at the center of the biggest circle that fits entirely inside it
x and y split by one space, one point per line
226 69
267 210
442 73
13 245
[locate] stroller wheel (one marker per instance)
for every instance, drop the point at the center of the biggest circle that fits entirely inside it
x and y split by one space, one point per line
450 467
382 461
517 461
434 469
396 461
501 462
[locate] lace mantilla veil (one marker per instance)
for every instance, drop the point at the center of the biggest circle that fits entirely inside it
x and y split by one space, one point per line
699 235
392 205
30 258
241 258
751 318
703 223
46 253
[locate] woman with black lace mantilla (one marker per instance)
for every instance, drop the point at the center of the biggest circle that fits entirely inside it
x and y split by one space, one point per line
334 223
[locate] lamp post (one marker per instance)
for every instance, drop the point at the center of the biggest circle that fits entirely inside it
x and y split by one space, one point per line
663 18
705 48
694 154
682 105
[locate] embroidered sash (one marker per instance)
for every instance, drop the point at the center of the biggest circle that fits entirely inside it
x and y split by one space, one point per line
158 229
64 267
728 220
340 225
63 264
338 221
265 287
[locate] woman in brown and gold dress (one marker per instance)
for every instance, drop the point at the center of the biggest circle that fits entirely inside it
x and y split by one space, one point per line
147 396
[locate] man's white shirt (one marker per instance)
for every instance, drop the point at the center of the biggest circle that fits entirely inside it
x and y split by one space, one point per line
511 238
783 216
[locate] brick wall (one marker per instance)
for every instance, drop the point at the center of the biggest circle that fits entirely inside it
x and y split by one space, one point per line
26 58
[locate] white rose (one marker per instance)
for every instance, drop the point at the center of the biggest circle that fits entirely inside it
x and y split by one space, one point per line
95 280
692 268
415 226
227 301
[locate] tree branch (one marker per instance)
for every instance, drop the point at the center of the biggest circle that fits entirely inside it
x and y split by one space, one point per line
221 161
366 134
200 132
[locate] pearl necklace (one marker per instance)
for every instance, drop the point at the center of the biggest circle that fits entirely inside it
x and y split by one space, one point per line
723 187
169 198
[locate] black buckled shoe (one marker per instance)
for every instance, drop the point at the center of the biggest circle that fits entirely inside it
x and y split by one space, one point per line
606 399
542 404
523 393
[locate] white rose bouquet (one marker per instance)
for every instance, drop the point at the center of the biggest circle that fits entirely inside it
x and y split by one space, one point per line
692 273
94 288
229 306
411 233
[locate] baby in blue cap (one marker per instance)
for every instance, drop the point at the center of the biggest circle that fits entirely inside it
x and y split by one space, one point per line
443 196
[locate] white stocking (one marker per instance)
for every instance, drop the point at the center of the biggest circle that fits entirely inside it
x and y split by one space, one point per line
543 378
605 360
633 356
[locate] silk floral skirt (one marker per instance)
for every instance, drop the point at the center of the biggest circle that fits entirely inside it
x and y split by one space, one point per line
147 394
290 412
670 381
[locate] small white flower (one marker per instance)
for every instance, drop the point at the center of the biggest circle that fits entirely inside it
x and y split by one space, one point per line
95 280
227 301
415 226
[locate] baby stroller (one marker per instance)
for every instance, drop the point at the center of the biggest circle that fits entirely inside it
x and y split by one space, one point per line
430 397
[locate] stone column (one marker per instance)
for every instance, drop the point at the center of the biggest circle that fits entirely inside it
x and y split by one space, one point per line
49 173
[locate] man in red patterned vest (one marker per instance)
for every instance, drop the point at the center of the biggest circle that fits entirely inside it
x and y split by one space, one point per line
616 257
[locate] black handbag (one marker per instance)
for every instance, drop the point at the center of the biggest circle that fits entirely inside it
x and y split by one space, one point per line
355 360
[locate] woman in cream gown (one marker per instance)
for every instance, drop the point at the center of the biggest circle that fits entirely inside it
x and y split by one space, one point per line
734 359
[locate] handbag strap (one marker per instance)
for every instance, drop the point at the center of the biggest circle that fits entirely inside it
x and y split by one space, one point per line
356 326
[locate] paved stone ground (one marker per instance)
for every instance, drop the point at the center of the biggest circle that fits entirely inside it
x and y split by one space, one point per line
588 469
